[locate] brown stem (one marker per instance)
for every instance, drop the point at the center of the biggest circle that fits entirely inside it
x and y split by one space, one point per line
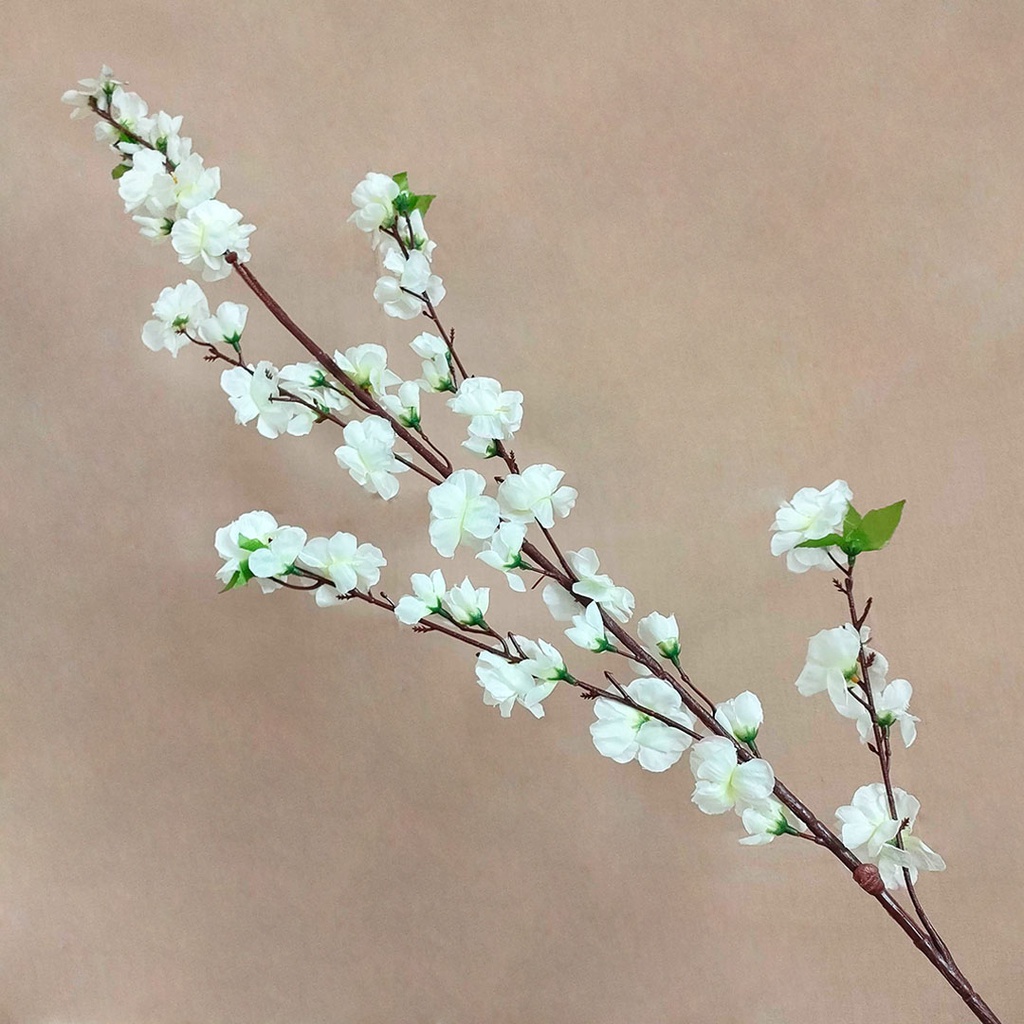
363 398
883 751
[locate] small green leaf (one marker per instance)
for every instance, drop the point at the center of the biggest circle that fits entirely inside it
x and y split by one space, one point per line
832 540
248 544
423 203
878 526
401 180
233 582
120 171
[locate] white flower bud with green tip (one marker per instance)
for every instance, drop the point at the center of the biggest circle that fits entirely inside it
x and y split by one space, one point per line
742 716
541 660
466 604
226 325
504 555
588 630
367 366
660 632
405 406
763 823
426 599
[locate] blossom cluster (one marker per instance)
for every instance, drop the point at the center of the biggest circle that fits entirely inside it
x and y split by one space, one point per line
822 529
162 182
254 546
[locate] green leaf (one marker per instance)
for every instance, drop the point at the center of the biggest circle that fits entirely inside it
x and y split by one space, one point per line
233 582
423 203
120 171
401 180
851 522
248 544
878 526
832 540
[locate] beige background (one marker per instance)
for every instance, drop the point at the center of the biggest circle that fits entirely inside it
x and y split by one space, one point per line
726 250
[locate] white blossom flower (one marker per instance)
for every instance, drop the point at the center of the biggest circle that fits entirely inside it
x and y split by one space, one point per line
741 717
541 660
308 381
562 606
660 632
506 683
617 601
369 456
349 564
238 541
503 553
165 134
278 557
405 406
892 707
485 447
254 393
226 325
156 229
131 112
400 295
766 821
460 513
535 494
832 664
492 413
367 365
624 733
587 630
208 232
437 372
192 183
810 515
374 200
467 604
723 783
147 183
98 89
870 832
429 594
177 309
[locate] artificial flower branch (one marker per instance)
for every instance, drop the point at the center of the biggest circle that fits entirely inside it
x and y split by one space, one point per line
882 748
654 718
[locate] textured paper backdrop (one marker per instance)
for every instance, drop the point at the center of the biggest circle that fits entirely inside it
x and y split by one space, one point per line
727 250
